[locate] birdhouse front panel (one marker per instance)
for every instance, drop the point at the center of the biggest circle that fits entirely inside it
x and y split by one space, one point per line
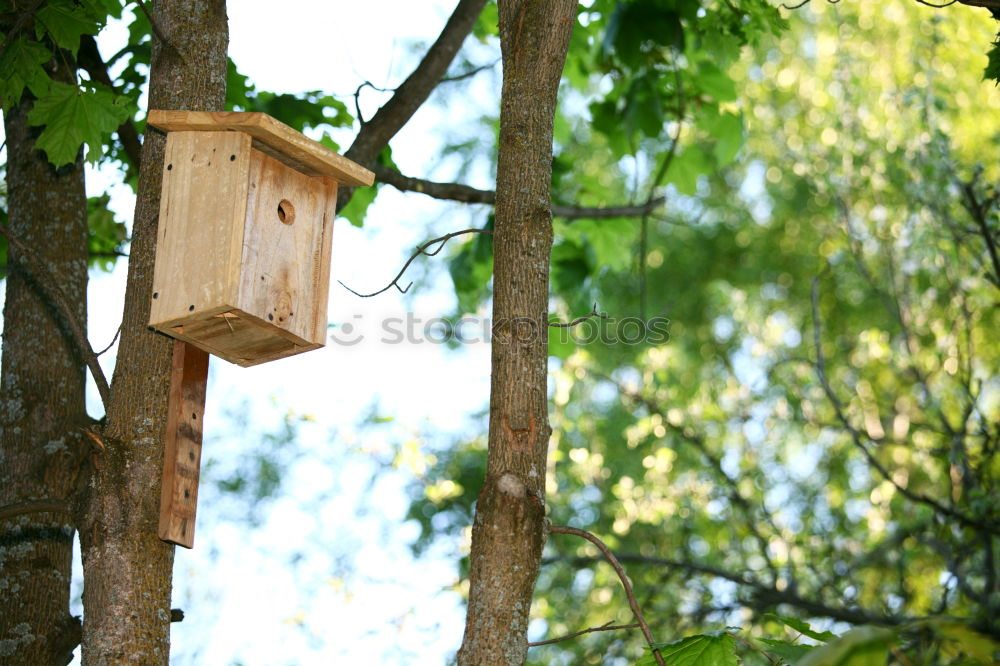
244 240
286 248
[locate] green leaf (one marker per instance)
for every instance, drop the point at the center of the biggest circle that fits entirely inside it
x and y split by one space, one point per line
715 648
487 25
969 642
714 82
864 646
72 117
105 234
21 62
992 71
789 652
65 21
238 88
686 168
728 133
357 207
471 269
801 627
101 9
608 238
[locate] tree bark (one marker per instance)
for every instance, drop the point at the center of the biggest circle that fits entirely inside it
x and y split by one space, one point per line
127 569
508 531
42 409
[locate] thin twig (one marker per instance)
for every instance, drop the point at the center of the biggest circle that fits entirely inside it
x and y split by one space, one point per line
96 439
42 273
604 627
154 25
422 249
613 561
471 72
858 440
979 212
112 343
357 98
580 320
21 21
733 488
467 194
763 595
33 506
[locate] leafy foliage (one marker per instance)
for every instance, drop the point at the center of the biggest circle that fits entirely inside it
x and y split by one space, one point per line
106 236
734 470
72 117
710 649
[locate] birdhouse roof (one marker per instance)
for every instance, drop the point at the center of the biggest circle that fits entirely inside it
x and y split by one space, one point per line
271 137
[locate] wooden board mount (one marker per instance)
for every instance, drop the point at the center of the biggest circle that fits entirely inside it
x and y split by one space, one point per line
182 444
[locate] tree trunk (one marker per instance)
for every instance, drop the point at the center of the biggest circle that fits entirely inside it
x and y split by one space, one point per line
127 569
508 531
42 409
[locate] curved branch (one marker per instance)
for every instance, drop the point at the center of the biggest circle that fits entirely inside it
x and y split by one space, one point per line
859 440
34 506
41 275
579 320
422 249
467 194
414 91
613 561
607 626
761 591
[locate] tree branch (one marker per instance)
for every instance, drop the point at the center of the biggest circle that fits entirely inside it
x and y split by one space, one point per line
467 194
579 320
414 91
613 561
39 273
979 211
604 627
762 592
34 506
21 22
422 249
859 440
989 4
736 497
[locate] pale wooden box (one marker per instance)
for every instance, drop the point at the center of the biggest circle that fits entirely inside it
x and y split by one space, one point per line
244 235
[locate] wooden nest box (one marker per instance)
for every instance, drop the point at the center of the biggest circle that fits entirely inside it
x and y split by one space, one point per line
243 245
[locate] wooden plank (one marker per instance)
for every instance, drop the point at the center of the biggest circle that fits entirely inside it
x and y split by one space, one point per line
286 248
200 231
284 143
182 444
241 338
321 267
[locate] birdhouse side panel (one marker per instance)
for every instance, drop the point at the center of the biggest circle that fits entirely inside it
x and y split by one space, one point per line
286 249
200 233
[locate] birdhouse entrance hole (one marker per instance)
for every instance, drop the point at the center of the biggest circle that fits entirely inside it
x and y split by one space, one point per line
286 212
